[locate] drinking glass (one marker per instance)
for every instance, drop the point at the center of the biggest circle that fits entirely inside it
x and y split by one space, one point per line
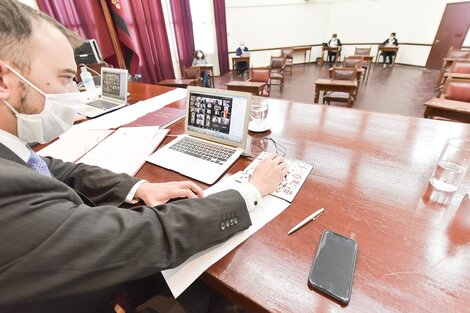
259 111
451 166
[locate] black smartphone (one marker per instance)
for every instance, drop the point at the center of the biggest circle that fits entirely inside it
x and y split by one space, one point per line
332 270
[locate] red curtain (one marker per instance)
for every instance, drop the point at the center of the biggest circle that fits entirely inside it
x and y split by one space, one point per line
183 25
146 34
87 19
221 35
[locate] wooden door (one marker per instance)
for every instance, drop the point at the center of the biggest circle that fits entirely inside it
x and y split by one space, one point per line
451 33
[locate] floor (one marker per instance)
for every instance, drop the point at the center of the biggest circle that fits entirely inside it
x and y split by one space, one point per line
399 90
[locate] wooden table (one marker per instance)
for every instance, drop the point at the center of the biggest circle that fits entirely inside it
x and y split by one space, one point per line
209 68
304 49
236 59
179 82
371 173
255 88
368 59
448 109
386 49
322 84
359 72
328 49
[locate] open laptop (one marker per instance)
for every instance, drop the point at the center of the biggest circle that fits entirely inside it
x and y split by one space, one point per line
113 93
216 128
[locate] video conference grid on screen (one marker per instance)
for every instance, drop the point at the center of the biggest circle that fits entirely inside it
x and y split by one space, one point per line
112 85
212 115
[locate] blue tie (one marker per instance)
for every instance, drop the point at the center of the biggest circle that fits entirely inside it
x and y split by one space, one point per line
36 163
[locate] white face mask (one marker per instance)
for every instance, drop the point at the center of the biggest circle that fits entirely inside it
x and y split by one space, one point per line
55 119
199 55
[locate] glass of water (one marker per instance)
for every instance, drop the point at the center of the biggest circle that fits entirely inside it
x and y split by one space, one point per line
259 111
451 166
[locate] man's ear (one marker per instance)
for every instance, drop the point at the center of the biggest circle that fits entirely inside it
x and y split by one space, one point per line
5 81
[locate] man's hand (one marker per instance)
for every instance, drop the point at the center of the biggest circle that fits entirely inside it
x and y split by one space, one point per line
154 194
269 173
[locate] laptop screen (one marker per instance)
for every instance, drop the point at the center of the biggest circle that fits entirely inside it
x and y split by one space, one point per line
114 84
220 115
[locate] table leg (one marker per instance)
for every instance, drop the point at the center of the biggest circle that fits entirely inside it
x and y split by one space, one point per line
428 112
317 94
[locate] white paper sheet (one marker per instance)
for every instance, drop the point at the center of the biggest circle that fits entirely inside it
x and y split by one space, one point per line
73 144
126 149
181 277
131 113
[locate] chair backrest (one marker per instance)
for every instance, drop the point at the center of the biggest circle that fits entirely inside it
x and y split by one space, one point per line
344 73
354 61
362 51
260 74
460 67
457 89
278 63
287 52
458 53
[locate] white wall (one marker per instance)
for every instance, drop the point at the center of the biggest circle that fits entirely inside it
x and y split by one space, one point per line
31 3
266 24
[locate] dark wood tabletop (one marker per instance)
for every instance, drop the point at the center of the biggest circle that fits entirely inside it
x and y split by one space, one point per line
371 173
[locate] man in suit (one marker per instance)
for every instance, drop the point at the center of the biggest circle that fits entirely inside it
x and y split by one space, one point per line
334 42
66 245
390 42
241 66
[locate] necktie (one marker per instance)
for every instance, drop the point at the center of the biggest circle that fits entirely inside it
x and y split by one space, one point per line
36 163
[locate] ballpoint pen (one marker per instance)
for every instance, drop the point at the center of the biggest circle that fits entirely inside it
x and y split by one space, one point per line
307 220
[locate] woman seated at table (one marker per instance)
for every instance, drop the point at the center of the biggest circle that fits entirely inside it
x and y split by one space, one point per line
200 59
390 42
333 43
241 66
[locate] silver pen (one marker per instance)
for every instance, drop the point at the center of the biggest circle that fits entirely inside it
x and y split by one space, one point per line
307 220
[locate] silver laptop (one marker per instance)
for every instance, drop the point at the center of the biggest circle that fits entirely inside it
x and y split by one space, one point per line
216 128
113 93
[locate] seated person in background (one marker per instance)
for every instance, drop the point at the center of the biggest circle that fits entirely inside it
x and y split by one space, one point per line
390 42
200 59
241 66
333 43
67 243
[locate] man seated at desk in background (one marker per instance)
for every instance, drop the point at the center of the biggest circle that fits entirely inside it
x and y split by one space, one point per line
390 42
241 50
334 42
66 244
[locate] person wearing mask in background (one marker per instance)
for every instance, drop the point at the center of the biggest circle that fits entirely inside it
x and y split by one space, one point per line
390 42
67 245
334 42
241 66
200 59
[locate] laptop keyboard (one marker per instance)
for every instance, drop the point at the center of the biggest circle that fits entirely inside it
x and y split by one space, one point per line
203 150
102 104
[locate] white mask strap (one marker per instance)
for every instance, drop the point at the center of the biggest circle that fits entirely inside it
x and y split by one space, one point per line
10 106
25 79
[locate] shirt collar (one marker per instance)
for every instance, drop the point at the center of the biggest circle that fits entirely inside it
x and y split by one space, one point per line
15 144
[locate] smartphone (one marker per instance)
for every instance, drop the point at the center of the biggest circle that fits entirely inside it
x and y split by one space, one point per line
332 270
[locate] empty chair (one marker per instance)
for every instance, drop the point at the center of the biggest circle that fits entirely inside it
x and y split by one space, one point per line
362 51
341 73
458 53
457 89
457 67
355 61
277 66
261 75
289 54
193 72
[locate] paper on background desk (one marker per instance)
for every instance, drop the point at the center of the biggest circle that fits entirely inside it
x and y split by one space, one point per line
126 149
73 144
132 112
181 277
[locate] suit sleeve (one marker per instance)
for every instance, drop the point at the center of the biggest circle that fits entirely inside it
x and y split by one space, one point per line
98 185
238 52
53 245
396 42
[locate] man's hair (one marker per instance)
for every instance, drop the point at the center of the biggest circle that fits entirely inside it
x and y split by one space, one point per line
394 34
16 29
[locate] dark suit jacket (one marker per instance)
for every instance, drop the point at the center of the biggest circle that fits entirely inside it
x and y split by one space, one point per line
394 42
58 252
239 51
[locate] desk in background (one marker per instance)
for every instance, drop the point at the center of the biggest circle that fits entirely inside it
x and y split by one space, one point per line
236 59
323 84
328 49
209 68
256 88
386 49
178 82
448 109
305 50
371 173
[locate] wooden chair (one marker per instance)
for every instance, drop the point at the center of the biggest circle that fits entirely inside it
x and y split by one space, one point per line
452 55
362 51
457 89
289 54
460 69
277 66
192 72
261 75
341 73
